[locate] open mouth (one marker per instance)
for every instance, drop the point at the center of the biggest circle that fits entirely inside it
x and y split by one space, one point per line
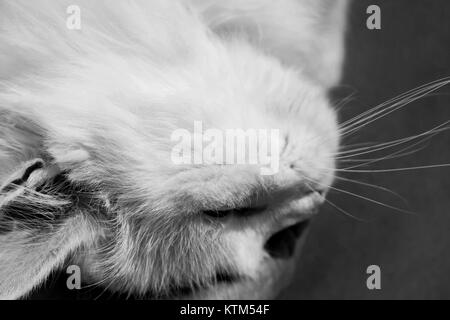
282 244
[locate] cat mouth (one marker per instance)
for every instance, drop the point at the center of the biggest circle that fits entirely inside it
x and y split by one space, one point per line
281 248
282 244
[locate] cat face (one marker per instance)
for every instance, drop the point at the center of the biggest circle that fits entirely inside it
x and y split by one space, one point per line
88 143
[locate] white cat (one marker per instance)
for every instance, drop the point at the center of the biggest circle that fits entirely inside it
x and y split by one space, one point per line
86 118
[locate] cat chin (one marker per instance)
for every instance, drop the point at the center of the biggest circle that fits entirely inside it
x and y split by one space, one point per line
273 275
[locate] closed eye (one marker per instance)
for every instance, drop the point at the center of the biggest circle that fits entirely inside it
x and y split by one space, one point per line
251 210
244 211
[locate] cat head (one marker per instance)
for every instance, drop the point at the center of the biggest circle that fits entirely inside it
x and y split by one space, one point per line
104 136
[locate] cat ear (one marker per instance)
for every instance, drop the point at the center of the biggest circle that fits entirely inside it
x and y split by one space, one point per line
308 34
39 221
39 227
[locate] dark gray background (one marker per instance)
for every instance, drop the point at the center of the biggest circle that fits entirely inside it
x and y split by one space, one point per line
413 251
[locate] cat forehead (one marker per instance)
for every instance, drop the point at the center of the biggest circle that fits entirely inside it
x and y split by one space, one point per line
128 105
238 87
169 78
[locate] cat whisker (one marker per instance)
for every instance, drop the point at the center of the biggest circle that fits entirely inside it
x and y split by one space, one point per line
388 157
397 154
399 102
380 106
373 186
337 207
370 200
444 165
338 106
385 145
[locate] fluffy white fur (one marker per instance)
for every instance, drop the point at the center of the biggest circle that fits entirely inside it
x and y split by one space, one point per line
99 106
